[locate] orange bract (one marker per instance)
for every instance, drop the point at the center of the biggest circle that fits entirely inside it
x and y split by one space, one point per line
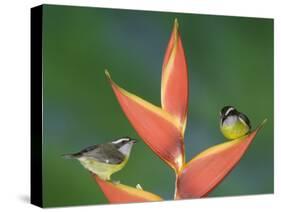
157 128
210 167
119 193
174 85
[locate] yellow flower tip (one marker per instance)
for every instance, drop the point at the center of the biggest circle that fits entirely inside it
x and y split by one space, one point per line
107 74
262 124
176 23
264 121
138 186
109 77
176 32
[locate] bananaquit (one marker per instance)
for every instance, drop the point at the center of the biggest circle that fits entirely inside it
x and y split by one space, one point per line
105 159
233 124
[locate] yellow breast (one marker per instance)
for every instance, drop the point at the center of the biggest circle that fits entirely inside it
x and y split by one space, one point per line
103 170
236 130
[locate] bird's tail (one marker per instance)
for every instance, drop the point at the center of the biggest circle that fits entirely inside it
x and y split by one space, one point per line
71 156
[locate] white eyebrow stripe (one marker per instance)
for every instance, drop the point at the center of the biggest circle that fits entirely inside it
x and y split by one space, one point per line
120 140
228 111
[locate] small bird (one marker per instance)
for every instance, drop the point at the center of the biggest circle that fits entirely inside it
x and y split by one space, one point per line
105 159
233 124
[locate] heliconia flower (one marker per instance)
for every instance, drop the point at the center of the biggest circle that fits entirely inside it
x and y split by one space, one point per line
174 84
159 129
162 129
119 193
203 173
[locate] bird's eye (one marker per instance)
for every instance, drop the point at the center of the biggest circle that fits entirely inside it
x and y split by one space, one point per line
124 141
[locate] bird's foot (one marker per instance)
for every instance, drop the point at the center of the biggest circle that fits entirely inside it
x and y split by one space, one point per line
116 182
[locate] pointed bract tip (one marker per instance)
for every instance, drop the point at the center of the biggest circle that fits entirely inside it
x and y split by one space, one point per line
176 32
262 124
176 23
107 74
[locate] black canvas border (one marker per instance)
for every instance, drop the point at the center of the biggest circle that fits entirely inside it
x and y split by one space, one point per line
36 105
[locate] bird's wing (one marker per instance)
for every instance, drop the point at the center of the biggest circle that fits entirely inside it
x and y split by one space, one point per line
105 153
244 117
81 153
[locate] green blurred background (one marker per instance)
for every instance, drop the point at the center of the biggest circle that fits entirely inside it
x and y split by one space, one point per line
230 62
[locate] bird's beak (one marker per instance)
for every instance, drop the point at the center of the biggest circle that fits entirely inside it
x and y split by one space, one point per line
133 141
